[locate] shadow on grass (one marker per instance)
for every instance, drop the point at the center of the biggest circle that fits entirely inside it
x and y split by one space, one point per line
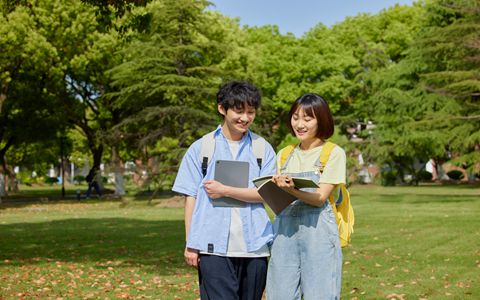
155 245
70 199
423 198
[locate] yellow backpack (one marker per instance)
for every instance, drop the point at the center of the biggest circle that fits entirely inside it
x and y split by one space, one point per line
342 207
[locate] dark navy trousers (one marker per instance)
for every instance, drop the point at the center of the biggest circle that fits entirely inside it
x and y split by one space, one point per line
232 278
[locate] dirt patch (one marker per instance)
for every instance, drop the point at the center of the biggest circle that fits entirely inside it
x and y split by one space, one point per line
175 201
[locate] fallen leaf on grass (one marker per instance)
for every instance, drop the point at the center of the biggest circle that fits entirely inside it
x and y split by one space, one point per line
123 295
463 285
394 296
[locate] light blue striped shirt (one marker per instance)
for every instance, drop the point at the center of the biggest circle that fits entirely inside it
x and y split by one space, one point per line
211 225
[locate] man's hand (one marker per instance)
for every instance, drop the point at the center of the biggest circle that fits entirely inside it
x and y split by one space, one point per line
214 189
191 257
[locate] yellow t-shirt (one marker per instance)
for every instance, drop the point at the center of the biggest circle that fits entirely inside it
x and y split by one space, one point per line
305 161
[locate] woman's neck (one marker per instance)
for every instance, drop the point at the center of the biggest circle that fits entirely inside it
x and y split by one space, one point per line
310 144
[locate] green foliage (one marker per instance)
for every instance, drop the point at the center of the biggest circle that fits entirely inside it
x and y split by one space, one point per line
388 177
175 62
80 179
455 175
123 75
424 175
423 104
50 180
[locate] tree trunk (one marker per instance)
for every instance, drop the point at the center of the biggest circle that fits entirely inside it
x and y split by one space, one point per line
2 187
97 153
4 172
118 171
3 95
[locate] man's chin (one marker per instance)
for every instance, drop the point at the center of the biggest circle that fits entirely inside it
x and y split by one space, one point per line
242 128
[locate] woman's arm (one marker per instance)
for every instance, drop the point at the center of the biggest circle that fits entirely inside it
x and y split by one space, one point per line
316 198
216 190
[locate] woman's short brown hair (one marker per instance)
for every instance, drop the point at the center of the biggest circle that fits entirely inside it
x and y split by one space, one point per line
316 107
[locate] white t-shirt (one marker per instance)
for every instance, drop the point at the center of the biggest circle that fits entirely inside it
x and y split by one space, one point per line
300 161
236 242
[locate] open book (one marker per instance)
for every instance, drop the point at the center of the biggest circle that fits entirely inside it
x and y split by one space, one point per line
277 198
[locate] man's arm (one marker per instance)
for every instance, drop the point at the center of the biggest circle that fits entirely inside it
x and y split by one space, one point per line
191 255
216 190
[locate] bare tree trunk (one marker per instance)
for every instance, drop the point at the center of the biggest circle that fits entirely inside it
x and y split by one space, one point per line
5 174
118 172
2 186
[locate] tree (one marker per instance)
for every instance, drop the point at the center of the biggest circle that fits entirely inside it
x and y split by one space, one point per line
173 67
28 80
424 105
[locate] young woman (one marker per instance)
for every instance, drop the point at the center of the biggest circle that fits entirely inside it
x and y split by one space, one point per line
306 258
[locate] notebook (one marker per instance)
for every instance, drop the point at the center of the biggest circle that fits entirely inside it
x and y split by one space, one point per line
231 173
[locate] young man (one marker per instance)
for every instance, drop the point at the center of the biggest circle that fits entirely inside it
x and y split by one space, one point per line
228 245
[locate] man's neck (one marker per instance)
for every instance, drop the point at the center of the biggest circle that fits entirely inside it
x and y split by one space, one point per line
230 135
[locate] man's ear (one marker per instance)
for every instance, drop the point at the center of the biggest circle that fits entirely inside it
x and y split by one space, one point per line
221 110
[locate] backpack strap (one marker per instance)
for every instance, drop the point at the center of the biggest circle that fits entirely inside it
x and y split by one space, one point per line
325 154
208 147
258 147
206 151
284 155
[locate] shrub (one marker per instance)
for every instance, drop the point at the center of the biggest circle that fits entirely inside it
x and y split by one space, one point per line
424 175
79 178
455 175
51 180
388 177
26 178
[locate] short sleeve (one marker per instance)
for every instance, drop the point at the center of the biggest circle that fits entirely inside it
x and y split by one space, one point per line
189 175
336 167
277 161
269 166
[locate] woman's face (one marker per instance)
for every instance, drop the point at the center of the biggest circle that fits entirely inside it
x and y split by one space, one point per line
304 126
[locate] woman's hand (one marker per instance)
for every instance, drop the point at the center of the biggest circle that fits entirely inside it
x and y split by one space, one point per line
284 182
214 189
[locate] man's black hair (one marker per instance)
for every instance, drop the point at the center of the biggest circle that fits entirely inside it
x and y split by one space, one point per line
238 94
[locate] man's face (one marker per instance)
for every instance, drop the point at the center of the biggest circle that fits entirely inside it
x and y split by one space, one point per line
237 120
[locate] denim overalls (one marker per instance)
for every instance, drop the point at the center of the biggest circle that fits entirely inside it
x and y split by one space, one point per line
306 257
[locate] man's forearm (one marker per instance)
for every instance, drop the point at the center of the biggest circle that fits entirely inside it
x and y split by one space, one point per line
189 206
249 195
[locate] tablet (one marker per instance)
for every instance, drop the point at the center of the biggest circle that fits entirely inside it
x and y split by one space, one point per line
232 173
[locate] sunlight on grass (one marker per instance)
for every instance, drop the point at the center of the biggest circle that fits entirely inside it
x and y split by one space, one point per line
409 243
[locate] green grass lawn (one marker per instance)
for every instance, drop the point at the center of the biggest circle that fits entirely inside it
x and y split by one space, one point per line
409 243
